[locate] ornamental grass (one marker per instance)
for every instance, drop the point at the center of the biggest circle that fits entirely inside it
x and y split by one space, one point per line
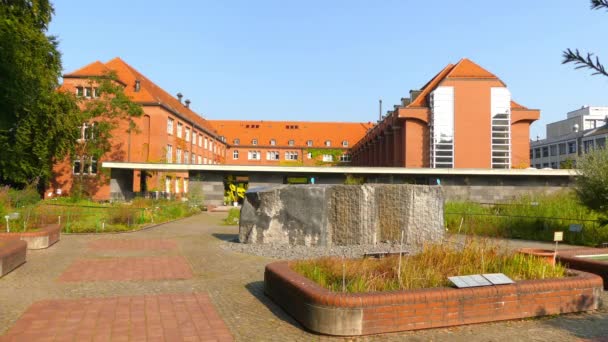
428 269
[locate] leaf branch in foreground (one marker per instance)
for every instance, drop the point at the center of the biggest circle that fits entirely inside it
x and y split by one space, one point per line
589 62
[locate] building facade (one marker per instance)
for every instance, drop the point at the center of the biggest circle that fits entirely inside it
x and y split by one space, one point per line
582 130
464 117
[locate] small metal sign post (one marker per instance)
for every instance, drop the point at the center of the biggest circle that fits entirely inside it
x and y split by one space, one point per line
557 237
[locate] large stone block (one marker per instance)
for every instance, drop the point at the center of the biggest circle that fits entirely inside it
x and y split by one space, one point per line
325 215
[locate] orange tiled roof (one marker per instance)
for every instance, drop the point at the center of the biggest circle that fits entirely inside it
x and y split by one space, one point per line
420 101
149 92
466 68
299 131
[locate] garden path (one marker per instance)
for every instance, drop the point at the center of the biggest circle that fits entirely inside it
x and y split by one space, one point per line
217 295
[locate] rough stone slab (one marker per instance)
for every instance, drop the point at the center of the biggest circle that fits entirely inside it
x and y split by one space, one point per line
326 215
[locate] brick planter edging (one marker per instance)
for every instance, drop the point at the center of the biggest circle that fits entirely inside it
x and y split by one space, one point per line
12 255
43 238
332 313
568 258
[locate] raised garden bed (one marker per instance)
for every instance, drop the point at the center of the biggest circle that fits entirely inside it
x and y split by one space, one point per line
592 260
350 314
12 255
41 238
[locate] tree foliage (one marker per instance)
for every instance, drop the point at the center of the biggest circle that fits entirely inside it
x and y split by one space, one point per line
588 60
592 181
37 123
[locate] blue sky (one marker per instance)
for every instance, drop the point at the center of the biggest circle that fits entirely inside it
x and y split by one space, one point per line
333 60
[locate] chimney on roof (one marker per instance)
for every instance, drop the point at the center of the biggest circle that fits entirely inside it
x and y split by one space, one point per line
405 101
179 97
414 94
380 110
137 85
187 103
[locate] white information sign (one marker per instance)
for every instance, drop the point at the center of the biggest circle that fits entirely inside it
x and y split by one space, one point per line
558 236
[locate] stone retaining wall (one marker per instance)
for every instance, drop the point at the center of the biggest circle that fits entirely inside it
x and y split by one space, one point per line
40 239
340 314
12 255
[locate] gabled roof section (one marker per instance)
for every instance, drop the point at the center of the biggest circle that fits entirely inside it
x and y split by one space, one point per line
149 93
515 105
466 68
420 101
94 69
298 131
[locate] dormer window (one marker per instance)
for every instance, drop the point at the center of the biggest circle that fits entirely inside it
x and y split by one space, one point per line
344 143
309 143
254 142
273 142
290 143
237 141
327 143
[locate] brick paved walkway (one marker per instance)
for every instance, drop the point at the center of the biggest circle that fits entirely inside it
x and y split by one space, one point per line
182 317
231 283
130 268
132 245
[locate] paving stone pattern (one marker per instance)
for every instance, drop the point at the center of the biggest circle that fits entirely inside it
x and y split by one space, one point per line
130 268
233 283
182 317
132 245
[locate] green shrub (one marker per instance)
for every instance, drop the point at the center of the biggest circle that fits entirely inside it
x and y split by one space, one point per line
234 215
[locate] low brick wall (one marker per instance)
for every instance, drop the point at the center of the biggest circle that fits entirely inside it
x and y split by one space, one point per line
332 313
45 237
568 258
12 255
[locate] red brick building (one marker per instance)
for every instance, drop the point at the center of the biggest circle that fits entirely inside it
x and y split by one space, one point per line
463 117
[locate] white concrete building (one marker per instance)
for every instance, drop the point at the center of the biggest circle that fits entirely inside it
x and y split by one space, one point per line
583 129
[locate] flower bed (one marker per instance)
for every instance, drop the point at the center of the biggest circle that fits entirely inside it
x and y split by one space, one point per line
572 259
12 255
44 237
346 314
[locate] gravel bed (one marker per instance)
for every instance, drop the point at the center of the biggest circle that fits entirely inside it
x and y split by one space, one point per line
287 252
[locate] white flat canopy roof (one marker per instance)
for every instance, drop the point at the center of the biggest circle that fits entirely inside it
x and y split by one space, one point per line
340 169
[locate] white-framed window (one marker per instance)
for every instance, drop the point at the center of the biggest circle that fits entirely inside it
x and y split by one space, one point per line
167 184
235 154
87 132
169 154
273 142
178 155
185 185
345 158
193 137
309 143
177 181
291 143
254 155
205 160
328 158
272 155
179 129
88 92
211 145
254 142
187 135
206 143
200 140
200 160
327 143
88 165
170 126
309 155
186 155
344 143
289 155
237 141
193 158
79 91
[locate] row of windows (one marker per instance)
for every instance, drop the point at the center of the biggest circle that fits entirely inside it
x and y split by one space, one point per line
178 185
291 142
289 155
87 92
202 141
85 165
566 148
188 158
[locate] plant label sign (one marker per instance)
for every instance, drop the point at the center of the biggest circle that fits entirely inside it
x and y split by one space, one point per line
576 228
558 236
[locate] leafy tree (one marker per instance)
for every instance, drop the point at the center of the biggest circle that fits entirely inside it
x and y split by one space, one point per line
37 123
592 181
102 114
590 61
